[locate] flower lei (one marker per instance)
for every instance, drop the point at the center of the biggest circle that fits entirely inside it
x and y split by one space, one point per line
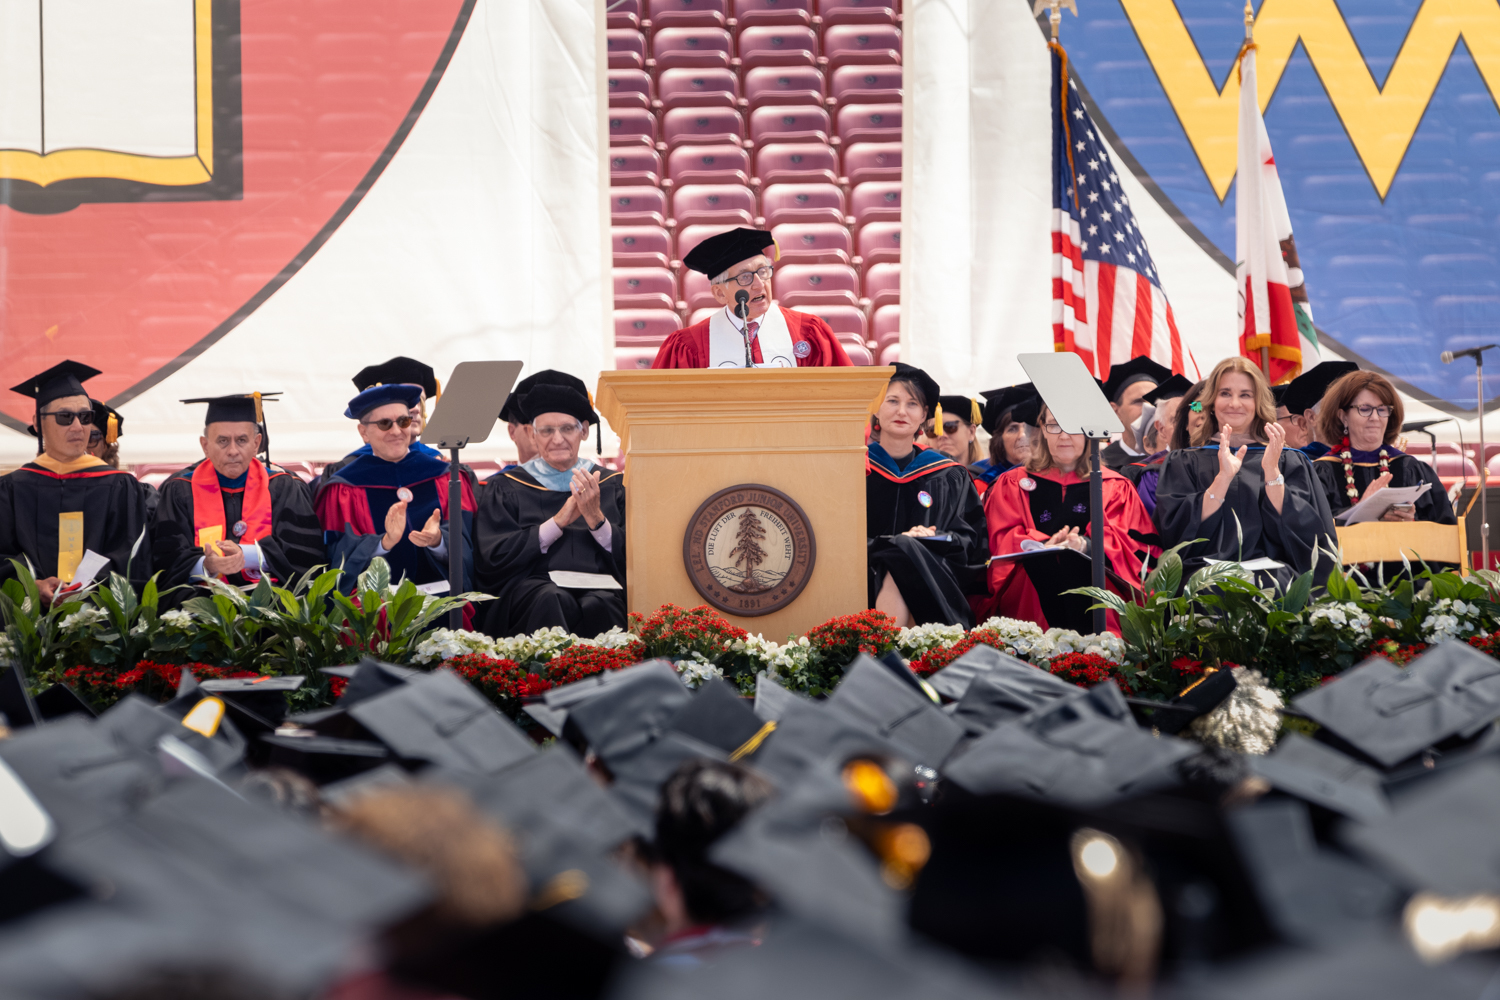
1348 457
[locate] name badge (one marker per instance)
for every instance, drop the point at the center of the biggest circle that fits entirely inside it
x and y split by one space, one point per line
404 495
924 498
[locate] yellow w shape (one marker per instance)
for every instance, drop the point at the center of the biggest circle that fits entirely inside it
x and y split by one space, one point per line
1380 122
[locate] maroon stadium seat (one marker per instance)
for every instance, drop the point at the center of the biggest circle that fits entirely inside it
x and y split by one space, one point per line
716 164
629 88
701 126
637 206
814 243
698 88
876 201
799 285
879 84
857 12
859 44
782 203
847 322
690 13
859 354
797 13
882 288
778 45
880 243
695 292
634 165
796 163
870 123
632 126
626 48
789 123
645 288
724 205
701 48
872 161
647 300
784 85
632 358
885 325
624 14
889 354
640 327
640 246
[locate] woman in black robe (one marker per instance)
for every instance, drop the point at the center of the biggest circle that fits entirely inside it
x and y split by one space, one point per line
926 538
555 513
1241 490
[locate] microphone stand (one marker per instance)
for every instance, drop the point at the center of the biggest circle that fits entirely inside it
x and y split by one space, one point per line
742 310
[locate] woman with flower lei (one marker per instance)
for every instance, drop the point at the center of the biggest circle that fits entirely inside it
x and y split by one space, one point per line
1362 412
1240 489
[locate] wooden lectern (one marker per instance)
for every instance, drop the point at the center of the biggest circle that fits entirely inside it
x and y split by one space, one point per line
690 435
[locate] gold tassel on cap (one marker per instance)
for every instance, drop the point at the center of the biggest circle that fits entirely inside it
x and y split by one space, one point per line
111 429
937 420
976 415
260 417
437 388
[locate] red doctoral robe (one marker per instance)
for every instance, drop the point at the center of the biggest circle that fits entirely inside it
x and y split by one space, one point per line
688 348
1009 519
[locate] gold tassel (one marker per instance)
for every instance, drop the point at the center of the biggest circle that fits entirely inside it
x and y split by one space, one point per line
976 415
937 420
753 743
260 417
437 388
111 429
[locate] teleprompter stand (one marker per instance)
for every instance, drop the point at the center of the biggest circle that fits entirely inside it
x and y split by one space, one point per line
465 415
1077 405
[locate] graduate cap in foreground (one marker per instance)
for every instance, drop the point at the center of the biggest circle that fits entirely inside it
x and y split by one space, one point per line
872 693
383 395
1127 373
63 379
1022 401
547 376
1306 390
440 719
399 370
722 251
239 408
1172 388
923 381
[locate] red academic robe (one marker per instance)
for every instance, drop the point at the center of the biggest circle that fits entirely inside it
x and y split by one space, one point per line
1009 518
688 348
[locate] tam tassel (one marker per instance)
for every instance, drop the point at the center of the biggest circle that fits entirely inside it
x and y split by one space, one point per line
976 416
937 420
112 429
437 388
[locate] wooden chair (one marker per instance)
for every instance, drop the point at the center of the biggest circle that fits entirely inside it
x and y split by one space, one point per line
1386 541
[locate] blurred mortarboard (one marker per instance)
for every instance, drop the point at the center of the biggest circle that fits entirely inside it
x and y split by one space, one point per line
25 827
966 408
718 716
548 376
722 251
204 736
1390 713
1022 400
1316 773
1306 390
625 716
1278 393
809 733
63 379
399 370
325 759
1081 750
79 775
922 380
16 703
368 678
110 421
1009 691
240 408
953 680
440 719
383 395
60 700
640 774
1127 373
1174 387
553 710
557 399
771 699
895 710
1197 699
256 704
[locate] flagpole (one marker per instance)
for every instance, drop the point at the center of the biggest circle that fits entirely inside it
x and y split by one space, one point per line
1265 351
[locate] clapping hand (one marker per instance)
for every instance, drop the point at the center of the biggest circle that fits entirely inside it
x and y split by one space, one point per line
223 558
585 497
395 525
1270 462
1230 460
1380 482
1070 538
431 534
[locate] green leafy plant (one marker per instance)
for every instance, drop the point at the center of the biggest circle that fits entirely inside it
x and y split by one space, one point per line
379 621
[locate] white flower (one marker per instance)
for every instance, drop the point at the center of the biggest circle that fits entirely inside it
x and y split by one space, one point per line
139 629
177 618
615 638
445 644
7 647
697 669
921 639
83 618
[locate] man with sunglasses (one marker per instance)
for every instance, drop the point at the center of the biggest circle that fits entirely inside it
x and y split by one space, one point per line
393 502
68 502
751 330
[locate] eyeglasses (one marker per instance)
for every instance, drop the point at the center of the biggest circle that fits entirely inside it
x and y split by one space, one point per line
1196 407
386 423
64 418
95 436
949 427
1366 410
747 279
1052 428
566 430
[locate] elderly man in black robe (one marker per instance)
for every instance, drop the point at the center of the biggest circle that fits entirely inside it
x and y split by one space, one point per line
550 533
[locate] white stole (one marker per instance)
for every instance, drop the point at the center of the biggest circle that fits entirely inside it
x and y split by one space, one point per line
726 345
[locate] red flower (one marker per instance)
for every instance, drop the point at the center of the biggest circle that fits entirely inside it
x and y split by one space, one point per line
1186 667
1087 669
936 659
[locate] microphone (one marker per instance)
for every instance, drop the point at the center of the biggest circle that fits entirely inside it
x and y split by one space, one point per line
1474 352
742 305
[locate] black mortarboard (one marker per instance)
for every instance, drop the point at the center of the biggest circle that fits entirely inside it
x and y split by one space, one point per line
60 700
1127 373
1021 401
1008 691
810 733
1389 713
1174 387
257 704
1316 773
399 370
1306 390
1081 750
240 408
771 699
965 408
367 678
103 414
63 379
1278 393
77 773
557 399
1194 701
718 716
871 693
440 719
722 251
552 711
621 718
640 774
16 704
548 376
325 759
137 725
953 681
923 381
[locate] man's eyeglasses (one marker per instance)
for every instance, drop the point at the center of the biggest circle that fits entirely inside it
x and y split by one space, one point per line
949 427
65 418
1383 412
566 430
386 423
747 279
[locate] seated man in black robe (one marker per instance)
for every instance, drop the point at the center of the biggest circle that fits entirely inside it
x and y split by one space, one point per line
233 516
67 502
516 424
548 520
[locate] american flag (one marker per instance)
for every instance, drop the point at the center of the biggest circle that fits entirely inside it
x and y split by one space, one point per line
1107 302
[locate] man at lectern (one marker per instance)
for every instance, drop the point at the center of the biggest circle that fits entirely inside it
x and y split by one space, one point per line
751 330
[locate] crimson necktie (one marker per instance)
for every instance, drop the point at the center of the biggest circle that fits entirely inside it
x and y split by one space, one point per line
750 331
